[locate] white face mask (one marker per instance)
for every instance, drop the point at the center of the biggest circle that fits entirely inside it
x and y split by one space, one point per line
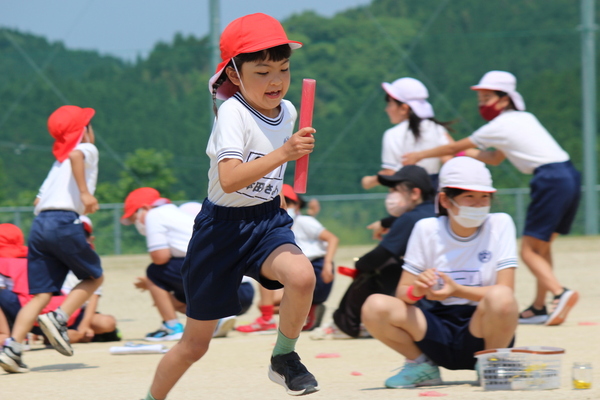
292 212
141 228
395 204
469 217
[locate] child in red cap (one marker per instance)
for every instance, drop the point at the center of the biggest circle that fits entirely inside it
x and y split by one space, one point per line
57 241
242 229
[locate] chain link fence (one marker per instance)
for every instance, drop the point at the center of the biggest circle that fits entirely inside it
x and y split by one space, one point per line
346 215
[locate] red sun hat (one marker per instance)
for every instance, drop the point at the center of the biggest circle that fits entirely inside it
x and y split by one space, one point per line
248 34
288 192
12 242
66 127
139 198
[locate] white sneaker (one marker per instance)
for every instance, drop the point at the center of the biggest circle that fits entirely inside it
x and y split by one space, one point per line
224 326
329 331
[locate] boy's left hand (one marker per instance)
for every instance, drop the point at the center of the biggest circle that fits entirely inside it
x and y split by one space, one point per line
300 144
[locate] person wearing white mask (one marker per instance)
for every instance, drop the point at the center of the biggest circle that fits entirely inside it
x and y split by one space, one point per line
465 259
415 128
517 135
410 199
168 231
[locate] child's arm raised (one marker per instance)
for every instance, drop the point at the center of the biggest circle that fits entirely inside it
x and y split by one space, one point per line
78 166
235 175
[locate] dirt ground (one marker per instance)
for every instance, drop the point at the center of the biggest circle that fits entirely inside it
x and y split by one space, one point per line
236 366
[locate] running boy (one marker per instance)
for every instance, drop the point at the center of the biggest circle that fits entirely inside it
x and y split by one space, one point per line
466 260
242 229
57 241
555 187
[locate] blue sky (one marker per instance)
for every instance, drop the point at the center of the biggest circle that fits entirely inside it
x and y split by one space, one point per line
127 28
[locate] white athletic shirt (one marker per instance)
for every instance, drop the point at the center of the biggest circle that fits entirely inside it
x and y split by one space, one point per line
167 227
242 132
59 191
472 261
522 138
400 140
307 230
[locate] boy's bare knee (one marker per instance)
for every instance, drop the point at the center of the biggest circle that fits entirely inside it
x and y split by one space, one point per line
193 350
303 281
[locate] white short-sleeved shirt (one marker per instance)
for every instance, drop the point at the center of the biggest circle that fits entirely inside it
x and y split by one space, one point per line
167 227
307 230
400 140
472 261
59 191
522 138
242 132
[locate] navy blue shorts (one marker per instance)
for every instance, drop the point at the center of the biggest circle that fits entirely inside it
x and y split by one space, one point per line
555 194
57 244
448 342
228 243
10 305
246 295
322 289
168 277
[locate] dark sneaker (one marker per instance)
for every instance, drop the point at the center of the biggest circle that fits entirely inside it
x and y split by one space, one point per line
55 329
289 372
11 361
166 332
532 315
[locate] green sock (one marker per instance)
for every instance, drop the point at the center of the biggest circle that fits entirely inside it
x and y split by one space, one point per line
149 396
284 344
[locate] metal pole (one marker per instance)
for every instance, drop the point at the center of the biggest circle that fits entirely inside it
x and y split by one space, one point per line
215 31
117 230
588 81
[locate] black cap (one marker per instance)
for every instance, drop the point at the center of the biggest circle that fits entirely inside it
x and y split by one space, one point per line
411 173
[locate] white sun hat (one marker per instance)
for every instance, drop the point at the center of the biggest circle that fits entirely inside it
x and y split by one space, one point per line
502 81
466 173
412 92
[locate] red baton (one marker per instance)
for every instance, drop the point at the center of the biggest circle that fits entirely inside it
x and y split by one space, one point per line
307 105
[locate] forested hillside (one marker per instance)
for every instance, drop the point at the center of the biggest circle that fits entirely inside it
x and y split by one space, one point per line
154 116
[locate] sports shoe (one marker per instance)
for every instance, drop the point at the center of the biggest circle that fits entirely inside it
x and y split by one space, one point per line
415 374
315 315
289 372
258 325
224 326
562 305
332 331
11 361
536 317
166 332
55 328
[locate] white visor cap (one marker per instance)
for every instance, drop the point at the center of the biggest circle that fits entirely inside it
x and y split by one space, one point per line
466 173
502 81
412 92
